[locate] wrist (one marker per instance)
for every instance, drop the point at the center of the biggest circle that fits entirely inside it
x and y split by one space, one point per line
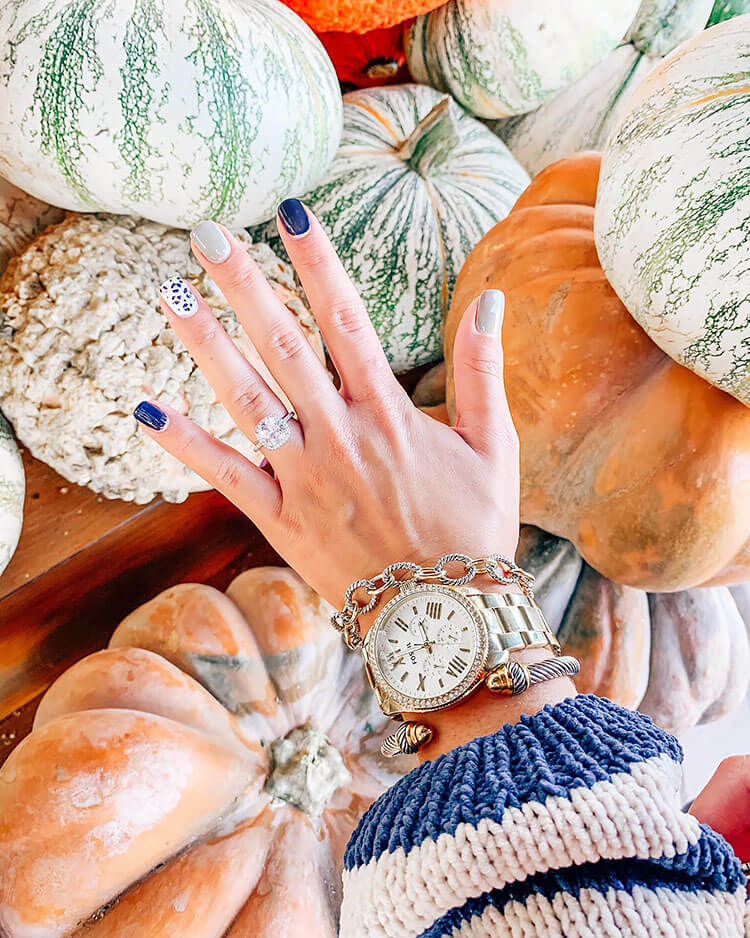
484 712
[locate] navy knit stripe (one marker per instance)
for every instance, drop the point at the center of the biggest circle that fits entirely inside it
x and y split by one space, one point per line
724 876
572 744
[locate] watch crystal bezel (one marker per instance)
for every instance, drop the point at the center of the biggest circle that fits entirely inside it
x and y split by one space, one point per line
468 682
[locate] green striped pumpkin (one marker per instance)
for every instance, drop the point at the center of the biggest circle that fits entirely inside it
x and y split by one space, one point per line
175 111
414 186
504 57
583 115
726 9
672 221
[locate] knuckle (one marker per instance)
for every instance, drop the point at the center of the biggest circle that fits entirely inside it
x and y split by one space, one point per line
241 276
248 397
484 365
316 256
285 343
205 331
185 440
228 473
348 317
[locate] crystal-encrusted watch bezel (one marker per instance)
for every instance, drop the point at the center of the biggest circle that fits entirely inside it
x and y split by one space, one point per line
467 684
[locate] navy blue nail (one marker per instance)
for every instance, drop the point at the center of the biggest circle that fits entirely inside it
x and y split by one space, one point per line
150 416
294 217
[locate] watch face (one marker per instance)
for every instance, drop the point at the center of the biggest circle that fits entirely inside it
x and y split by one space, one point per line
427 646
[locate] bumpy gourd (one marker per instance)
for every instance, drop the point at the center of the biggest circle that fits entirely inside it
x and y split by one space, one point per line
642 464
200 777
358 16
173 111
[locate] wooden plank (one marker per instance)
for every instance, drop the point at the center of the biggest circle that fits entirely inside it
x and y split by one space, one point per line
59 520
73 608
15 726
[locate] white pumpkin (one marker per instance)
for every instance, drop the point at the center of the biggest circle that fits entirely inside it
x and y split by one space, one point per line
12 490
672 220
172 111
583 115
414 186
503 57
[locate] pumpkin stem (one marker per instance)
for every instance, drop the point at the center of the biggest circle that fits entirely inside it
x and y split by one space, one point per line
432 140
382 68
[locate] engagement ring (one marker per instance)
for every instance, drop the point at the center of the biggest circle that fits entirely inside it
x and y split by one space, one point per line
273 432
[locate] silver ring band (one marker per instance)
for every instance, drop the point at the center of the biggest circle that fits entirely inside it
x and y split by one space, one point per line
273 432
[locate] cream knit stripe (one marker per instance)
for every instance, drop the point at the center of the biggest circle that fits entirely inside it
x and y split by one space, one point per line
633 814
616 913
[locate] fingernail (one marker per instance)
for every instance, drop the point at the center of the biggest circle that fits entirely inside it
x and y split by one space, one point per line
178 296
150 416
294 217
211 242
490 310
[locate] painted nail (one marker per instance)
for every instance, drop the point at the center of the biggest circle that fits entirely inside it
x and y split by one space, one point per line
178 296
490 310
294 217
150 416
211 242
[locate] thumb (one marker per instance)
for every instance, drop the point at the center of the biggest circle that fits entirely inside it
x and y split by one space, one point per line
482 415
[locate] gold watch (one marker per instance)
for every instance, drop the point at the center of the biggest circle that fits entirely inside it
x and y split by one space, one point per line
437 640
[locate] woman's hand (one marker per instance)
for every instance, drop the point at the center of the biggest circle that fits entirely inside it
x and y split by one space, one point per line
366 479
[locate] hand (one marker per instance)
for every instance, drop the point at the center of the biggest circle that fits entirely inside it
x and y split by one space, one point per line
366 479
724 804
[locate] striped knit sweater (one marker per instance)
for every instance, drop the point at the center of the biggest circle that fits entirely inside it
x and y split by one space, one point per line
565 824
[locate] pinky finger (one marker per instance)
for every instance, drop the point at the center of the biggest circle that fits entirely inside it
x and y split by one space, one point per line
251 489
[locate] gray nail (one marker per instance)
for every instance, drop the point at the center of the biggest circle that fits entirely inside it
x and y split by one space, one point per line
490 311
210 241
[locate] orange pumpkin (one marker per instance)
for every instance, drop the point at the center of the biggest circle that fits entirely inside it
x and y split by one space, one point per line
368 59
638 461
200 777
358 16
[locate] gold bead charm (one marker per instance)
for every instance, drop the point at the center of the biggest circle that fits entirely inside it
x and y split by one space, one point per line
408 738
509 678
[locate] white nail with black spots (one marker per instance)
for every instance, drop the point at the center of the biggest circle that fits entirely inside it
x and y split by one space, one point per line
178 296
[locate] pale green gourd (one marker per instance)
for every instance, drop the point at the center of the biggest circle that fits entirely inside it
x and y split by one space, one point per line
672 219
582 116
172 111
504 57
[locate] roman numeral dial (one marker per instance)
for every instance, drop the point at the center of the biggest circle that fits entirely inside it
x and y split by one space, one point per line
425 644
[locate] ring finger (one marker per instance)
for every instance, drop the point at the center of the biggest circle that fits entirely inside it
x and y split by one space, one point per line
238 385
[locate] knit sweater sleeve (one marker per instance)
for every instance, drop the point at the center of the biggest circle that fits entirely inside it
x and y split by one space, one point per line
565 824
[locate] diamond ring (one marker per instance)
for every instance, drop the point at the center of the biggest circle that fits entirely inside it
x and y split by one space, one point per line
273 432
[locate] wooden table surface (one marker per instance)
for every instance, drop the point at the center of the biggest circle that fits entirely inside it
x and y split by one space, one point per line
84 562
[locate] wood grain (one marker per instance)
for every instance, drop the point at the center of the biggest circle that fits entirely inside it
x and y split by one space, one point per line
84 563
